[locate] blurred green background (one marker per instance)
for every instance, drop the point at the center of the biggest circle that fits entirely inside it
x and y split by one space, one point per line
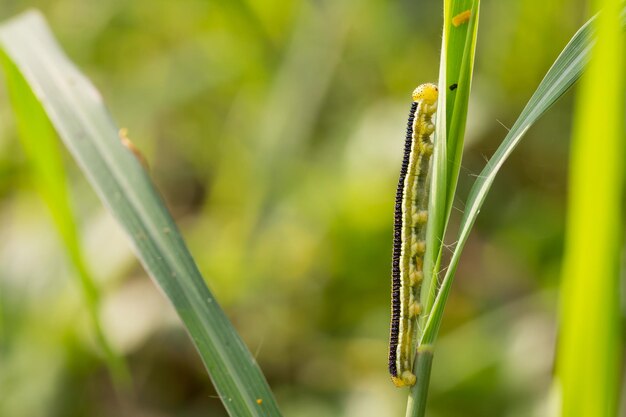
274 131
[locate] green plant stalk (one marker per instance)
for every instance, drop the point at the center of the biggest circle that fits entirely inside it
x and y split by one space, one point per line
588 360
77 112
416 404
40 143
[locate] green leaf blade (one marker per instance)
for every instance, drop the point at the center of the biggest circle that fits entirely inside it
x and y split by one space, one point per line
456 67
588 360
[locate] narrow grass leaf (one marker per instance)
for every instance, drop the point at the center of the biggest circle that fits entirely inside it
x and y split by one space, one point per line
458 99
77 113
456 69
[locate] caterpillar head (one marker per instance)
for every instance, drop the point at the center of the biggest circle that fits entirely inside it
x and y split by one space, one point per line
426 93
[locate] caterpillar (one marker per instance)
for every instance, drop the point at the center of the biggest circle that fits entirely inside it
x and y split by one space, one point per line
409 245
461 18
